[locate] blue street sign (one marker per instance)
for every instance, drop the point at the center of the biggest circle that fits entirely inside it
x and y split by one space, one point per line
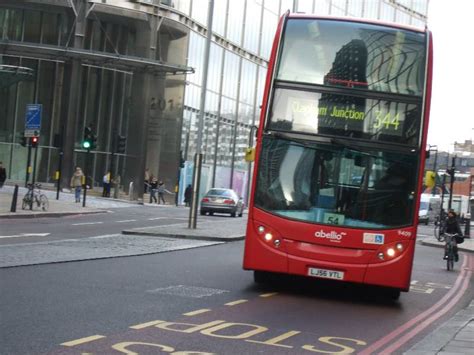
33 117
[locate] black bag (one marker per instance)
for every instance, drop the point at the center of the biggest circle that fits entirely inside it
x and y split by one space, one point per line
459 239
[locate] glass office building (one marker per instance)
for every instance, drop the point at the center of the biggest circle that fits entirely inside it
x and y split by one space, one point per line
134 69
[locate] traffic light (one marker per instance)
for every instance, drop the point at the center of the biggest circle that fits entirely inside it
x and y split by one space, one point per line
451 172
249 154
430 179
89 140
24 141
93 141
34 142
121 144
57 140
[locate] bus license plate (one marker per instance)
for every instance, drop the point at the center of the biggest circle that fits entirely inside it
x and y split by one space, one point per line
326 274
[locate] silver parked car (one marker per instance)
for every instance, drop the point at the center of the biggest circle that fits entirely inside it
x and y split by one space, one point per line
222 201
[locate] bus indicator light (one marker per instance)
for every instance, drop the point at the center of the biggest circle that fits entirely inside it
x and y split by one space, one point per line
261 229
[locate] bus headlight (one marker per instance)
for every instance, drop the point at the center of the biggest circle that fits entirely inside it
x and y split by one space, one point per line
268 235
391 251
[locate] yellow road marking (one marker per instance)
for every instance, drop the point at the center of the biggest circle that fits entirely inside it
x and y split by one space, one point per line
147 324
236 302
269 294
276 340
199 311
83 340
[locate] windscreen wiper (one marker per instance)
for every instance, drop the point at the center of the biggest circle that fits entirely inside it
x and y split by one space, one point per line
349 145
305 140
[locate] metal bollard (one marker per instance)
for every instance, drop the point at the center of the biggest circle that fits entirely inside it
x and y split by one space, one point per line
14 199
467 228
130 191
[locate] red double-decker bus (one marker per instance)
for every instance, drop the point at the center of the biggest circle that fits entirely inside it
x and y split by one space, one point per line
340 152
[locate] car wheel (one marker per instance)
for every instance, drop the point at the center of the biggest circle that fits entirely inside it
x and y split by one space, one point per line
233 214
202 213
211 213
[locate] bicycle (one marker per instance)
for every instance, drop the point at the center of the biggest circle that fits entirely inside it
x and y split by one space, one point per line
449 250
34 195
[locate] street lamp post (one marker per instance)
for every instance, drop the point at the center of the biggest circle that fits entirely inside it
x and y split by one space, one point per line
198 157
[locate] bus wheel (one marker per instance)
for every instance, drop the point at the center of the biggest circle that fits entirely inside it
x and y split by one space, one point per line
393 294
260 277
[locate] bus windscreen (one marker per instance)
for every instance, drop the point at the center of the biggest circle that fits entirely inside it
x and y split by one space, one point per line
330 183
351 54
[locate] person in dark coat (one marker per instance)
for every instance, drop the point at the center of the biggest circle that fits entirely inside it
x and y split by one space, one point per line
161 192
452 227
153 187
3 175
188 195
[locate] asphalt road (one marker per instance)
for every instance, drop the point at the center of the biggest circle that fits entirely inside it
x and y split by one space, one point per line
90 225
201 301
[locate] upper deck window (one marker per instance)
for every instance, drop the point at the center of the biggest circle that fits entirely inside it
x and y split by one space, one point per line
351 54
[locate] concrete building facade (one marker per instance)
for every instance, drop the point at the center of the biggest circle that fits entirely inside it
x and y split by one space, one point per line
134 69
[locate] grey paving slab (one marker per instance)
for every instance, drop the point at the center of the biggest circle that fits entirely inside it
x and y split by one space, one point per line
460 343
108 246
452 337
467 246
223 229
66 204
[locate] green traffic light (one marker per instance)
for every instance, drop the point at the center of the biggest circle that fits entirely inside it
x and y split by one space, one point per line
86 144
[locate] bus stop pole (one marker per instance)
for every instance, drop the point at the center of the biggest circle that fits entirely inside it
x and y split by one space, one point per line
198 157
28 163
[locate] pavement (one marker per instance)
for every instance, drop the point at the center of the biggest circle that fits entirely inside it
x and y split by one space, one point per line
64 206
455 336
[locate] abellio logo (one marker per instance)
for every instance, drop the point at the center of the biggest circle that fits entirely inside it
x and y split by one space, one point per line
332 235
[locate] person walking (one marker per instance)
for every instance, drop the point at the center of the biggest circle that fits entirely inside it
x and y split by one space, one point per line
3 175
106 185
188 195
161 192
116 183
76 183
147 180
153 188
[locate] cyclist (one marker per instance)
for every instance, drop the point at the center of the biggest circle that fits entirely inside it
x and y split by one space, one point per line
452 227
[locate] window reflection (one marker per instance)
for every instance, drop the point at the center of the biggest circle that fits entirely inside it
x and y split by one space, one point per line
313 51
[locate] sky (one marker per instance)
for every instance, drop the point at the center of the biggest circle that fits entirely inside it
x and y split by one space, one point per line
452 116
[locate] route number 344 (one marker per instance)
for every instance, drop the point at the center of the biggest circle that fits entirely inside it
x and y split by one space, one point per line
386 120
